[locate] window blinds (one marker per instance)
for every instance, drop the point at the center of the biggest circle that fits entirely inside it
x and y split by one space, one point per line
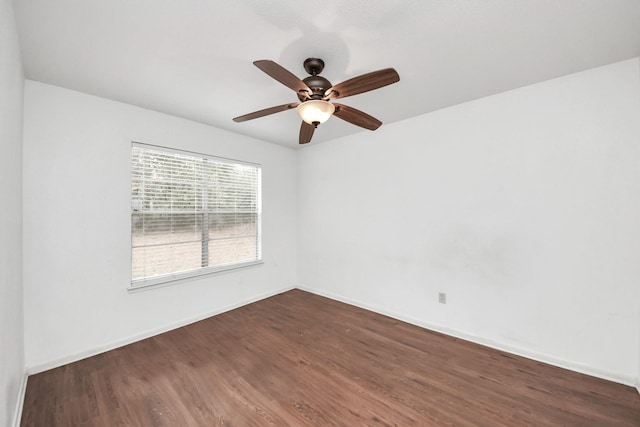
191 214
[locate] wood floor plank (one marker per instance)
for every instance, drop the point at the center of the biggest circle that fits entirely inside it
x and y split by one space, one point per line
303 360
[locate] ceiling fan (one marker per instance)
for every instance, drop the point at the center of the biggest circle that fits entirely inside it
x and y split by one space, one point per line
315 92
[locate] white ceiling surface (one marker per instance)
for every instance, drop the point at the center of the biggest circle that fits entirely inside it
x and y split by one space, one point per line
193 58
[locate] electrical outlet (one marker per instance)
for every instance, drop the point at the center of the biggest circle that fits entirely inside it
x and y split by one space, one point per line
442 297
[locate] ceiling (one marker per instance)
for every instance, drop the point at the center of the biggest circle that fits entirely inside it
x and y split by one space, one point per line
193 58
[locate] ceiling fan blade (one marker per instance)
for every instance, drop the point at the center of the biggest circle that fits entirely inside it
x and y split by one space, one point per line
356 117
306 132
265 112
283 76
363 83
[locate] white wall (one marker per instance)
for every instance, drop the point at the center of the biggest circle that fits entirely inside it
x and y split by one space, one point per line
523 207
11 312
77 225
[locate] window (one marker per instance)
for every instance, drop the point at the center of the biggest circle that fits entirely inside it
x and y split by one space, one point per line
191 214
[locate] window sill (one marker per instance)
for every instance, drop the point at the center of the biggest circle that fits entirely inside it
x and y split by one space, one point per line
171 279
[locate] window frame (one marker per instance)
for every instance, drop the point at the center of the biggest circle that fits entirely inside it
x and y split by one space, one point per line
173 277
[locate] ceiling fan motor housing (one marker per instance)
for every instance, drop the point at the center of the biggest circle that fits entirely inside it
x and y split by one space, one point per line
318 86
316 83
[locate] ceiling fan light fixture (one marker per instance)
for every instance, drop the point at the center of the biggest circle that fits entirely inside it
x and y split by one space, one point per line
315 111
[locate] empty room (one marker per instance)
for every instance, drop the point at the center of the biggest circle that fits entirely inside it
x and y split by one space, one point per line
250 213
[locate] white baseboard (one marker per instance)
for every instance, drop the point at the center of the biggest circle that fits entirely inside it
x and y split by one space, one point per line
17 415
630 381
34 369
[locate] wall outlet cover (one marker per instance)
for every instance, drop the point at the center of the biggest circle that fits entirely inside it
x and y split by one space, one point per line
442 297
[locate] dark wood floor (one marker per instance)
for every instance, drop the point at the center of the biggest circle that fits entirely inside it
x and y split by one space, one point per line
300 359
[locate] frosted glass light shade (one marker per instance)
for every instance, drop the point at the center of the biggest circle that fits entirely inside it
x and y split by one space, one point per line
315 111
